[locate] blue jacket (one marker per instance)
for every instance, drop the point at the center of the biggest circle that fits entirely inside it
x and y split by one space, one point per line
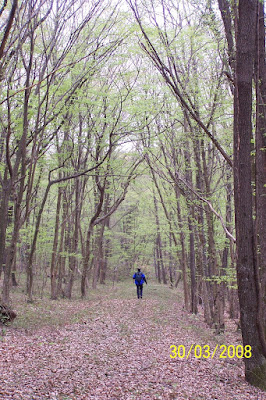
143 279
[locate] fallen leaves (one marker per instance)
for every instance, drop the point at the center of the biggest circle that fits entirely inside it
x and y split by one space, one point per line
120 353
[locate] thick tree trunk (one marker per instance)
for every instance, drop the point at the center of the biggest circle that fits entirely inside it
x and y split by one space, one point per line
255 366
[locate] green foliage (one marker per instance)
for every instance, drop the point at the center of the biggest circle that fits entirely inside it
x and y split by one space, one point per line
101 90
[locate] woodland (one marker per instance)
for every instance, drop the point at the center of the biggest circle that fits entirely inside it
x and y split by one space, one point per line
132 135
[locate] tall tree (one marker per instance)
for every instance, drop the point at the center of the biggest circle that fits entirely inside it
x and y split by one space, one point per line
260 161
247 268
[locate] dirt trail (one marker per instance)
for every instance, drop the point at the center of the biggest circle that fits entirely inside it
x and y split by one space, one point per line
121 351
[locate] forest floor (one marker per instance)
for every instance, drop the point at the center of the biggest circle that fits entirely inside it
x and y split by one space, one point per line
115 347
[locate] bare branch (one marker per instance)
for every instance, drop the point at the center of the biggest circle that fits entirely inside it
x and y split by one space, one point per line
8 27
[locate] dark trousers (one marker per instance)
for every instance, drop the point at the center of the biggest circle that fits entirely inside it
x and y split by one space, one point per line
139 291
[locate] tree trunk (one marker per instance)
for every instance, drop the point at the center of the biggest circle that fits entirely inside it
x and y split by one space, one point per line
260 171
159 252
5 194
86 262
106 255
184 256
192 266
170 265
191 216
98 256
62 258
255 366
53 272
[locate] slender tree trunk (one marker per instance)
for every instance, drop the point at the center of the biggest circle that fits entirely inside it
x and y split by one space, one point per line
170 263
260 76
157 261
86 262
229 252
62 258
98 257
54 264
5 194
206 303
71 243
184 256
33 246
102 259
192 266
217 288
106 255
190 217
159 245
13 273
21 160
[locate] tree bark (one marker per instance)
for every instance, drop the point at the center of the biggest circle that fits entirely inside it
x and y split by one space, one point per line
159 253
53 272
184 255
192 266
106 254
255 366
260 160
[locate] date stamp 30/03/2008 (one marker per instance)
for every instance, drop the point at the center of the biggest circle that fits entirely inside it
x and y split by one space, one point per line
221 351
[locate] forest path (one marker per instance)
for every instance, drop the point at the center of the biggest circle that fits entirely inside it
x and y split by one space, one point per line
120 349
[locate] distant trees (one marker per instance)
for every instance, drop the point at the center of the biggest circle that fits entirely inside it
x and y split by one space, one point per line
49 57
190 153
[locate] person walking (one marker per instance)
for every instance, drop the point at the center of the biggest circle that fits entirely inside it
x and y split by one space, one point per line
139 280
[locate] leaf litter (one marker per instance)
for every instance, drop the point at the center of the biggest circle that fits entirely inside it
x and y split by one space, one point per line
121 352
